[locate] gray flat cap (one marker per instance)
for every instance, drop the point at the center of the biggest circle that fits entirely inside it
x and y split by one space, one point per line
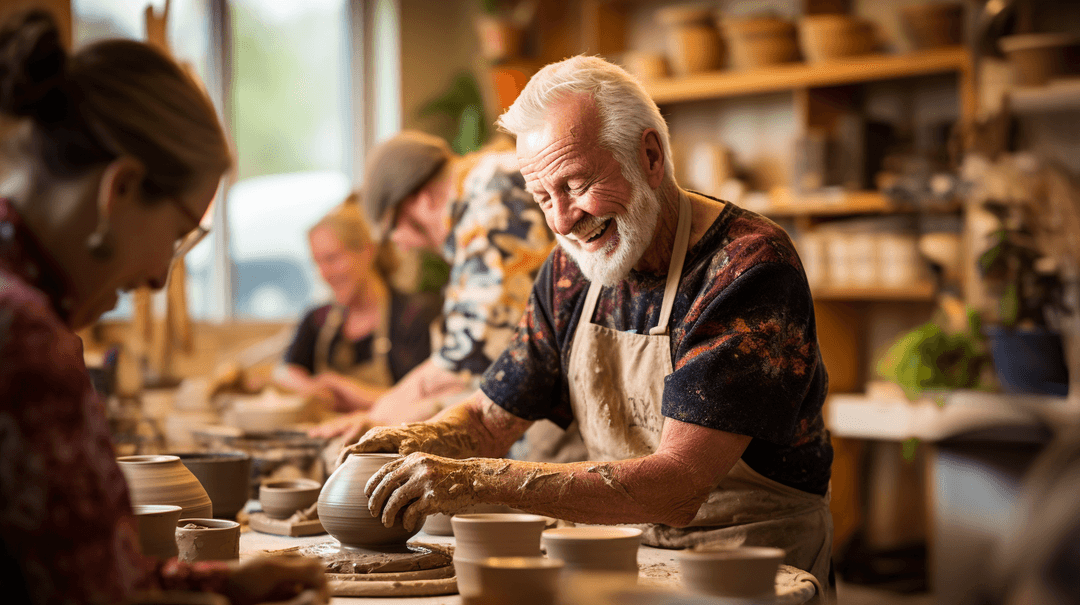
398 167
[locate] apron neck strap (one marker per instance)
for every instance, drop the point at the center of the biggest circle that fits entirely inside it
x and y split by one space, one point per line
675 267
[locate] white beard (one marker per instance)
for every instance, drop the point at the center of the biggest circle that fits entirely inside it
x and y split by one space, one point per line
633 234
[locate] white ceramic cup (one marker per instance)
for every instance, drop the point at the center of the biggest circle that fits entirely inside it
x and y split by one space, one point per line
480 536
742 572
594 549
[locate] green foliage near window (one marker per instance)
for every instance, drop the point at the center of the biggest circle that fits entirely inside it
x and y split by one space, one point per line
930 359
463 107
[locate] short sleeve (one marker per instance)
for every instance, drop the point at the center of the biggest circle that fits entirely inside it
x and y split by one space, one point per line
301 351
748 358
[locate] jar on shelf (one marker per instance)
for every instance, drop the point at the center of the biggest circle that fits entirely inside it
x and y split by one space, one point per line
693 42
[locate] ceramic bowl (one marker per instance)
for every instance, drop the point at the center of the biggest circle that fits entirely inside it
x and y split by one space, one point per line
612 549
208 540
226 476
164 480
744 572
157 529
280 498
519 580
479 536
343 506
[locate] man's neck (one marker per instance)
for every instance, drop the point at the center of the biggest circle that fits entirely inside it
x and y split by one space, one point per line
703 212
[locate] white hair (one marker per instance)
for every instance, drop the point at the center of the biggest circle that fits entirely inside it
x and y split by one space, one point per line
625 109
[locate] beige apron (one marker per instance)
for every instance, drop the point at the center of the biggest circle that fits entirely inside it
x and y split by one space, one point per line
616 387
341 358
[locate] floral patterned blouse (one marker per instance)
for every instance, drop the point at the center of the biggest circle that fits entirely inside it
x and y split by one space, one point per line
67 534
498 241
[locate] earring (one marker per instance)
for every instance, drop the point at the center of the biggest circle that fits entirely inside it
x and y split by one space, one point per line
99 245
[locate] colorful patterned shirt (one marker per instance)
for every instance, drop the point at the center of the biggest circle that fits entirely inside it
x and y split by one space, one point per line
498 241
67 534
743 346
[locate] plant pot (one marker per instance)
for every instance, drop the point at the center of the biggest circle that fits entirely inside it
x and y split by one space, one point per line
1029 360
164 480
226 477
343 506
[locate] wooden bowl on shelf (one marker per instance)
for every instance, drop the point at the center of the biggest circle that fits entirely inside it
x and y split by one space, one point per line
759 41
830 37
693 42
934 24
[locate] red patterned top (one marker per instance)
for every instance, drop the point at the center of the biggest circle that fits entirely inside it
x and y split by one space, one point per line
66 529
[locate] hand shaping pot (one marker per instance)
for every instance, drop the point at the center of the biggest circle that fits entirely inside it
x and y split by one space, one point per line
343 506
164 480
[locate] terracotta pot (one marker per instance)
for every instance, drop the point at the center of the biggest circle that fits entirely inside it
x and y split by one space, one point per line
693 42
281 498
164 480
934 24
157 529
343 506
759 41
611 549
519 580
211 540
226 477
828 37
745 572
479 536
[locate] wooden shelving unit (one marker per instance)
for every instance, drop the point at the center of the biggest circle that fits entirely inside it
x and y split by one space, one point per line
786 204
792 76
923 292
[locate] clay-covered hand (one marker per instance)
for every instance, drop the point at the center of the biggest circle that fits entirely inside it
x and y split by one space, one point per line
430 437
268 579
422 484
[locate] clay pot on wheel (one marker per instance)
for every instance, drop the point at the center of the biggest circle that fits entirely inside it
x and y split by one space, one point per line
164 480
157 529
343 506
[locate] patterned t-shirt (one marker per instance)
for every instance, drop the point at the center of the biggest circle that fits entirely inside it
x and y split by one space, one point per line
743 346
498 241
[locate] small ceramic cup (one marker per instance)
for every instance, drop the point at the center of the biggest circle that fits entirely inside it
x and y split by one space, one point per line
280 498
479 536
208 540
742 572
157 529
594 549
519 580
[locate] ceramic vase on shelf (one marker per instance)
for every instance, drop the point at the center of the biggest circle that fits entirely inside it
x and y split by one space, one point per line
164 480
343 506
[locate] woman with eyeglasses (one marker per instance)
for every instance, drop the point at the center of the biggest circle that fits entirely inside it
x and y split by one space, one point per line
108 159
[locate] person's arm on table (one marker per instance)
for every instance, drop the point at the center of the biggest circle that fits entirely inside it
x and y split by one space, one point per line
666 487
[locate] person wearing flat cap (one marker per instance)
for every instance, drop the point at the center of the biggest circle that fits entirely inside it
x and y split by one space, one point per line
474 212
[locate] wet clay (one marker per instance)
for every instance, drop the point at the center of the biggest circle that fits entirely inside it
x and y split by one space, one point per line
410 558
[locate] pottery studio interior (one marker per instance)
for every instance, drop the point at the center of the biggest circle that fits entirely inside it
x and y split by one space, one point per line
295 365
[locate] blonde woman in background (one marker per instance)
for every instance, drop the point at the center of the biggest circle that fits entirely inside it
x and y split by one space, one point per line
108 159
370 336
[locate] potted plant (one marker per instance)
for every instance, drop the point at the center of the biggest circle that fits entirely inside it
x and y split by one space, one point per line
501 28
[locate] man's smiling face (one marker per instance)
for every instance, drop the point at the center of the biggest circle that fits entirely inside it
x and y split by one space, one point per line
604 220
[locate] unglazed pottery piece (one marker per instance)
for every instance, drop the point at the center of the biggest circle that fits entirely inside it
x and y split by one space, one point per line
590 548
208 540
225 476
157 529
343 506
518 580
280 498
479 536
164 480
744 572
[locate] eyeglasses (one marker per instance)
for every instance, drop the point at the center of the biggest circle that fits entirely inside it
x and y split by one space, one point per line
192 239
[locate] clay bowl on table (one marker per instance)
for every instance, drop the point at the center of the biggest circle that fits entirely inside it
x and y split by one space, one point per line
743 572
157 529
164 480
225 476
479 536
343 506
519 580
609 549
280 498
208 540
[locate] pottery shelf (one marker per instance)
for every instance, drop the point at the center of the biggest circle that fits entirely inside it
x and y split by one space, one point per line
792 76
1058 95
921 292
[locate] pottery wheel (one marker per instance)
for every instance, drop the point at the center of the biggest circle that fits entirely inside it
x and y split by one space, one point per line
414 569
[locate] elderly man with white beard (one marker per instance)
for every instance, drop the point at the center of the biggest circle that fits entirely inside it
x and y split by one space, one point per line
678 330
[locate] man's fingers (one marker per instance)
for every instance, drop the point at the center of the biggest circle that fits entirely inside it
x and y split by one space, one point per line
380 485
416 513
400 497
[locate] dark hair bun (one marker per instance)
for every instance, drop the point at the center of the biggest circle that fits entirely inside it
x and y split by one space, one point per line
32 63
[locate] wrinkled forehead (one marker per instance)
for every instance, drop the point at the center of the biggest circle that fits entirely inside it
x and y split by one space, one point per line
572 120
